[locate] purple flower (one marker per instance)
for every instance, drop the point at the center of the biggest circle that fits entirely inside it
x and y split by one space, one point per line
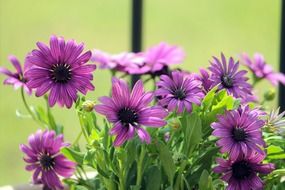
227 76
60 69
204 77
179 92
17 79
124 62
128 111
44 158
239 132
103 58
158 57
127 62
262 70
242 173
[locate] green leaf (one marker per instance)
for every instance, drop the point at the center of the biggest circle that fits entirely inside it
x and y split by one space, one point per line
275 152
80 187
73 155
208 99
205 182
192 128
103 173
106 135
206 156
167 162
59 129
135 187
218 184
19 114
153 178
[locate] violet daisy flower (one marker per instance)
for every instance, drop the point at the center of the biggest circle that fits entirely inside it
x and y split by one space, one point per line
178 92
44 158
17 79
243 172
239 132
159 57
262 70
129 111
227 76
204 77
60 69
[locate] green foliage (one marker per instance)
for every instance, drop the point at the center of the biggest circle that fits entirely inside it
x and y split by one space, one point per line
205 182
192 128
182 161
73 155
167 162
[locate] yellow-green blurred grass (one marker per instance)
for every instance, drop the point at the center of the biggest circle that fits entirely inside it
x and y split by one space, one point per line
203 28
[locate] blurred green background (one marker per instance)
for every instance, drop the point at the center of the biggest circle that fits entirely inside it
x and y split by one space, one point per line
203 28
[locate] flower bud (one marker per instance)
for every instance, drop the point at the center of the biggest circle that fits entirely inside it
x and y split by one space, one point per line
270 95
88 105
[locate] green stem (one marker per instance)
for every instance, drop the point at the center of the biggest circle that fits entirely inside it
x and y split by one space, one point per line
77 138
82 127
29 109
255 81
140 166
121 177
26 104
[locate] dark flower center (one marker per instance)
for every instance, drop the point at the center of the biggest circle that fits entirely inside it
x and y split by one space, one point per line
127 116
239 134
227 81
21 78
241 170
47 162
61 73
179 94
163 71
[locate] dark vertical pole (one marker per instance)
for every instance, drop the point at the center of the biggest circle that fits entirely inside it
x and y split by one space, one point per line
137 16
282 58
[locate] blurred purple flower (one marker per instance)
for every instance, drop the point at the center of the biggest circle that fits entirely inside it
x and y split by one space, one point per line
127 62
241 174
103 58
158 57
44 158
227 77
262 70
239 132
124 62
179 92
18 78
61 69
128 111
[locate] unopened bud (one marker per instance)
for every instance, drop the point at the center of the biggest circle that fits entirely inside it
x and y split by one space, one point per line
88 105
270 95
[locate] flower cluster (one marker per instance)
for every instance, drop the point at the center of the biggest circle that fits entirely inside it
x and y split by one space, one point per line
154 60
161 139
242 172
241 136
